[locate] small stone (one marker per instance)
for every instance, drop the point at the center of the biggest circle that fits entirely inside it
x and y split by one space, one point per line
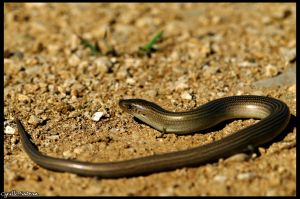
80 149
130 81
32 88
186 95
68 154
23 98
34 120
74 42
74 114
220 178
239 92
53 137
292 88
174 56
288 54
261 150
271 70
74 60
103 64
130 62
9 130
122 73
258 92
43 87
151 93
246 176
181 83
247 64
53 48
113 59
220 94
35 5
97 116
76 90
210 71
240 157
272 192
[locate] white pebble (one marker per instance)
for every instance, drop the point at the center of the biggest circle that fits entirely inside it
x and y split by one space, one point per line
271 192
186 95
258 92
74 60
130 81
220 178
292 88
181 83
23 98
271 70
245 176
68 154
34 120
53 137
239 92
240 157
97 116
103 64
9 130
247 64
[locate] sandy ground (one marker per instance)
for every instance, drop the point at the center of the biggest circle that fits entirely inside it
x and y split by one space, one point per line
208 51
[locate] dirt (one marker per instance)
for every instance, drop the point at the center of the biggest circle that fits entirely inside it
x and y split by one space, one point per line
55 85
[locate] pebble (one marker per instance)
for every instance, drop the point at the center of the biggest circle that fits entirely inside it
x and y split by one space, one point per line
76 90
53 48
122 73
292 88
74 114
113 60
130 81
288 54
240 157
210 71
13 140
261 150
35 5
97 116
271 70
181 83
74 42
31 88
9 130
246 176
38 111
220 178
34 120
103 64
130 62
271 192
186 95
220 94
68 154
239 92
247 64
23 98
152 93
80 149
74 60
258 92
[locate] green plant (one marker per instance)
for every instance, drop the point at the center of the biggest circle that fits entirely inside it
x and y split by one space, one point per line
148 48
95 50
